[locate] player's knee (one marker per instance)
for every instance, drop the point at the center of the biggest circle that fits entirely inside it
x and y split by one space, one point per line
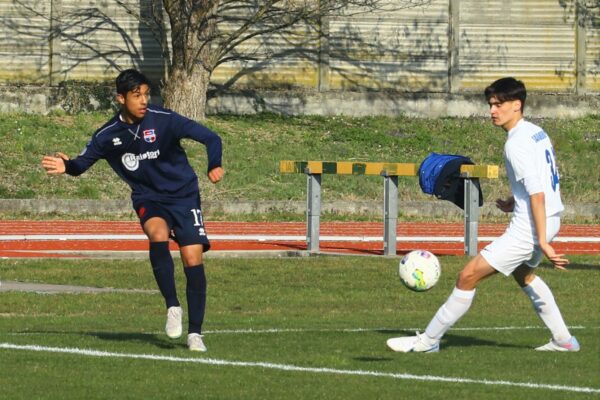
470 275
156 230
192 261
466 280
191 255
157 236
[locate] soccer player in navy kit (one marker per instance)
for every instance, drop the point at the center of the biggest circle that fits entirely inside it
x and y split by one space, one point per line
142 145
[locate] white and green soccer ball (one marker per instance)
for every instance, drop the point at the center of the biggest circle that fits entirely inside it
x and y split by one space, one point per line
419 270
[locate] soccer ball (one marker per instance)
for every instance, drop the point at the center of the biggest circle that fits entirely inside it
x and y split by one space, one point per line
419 270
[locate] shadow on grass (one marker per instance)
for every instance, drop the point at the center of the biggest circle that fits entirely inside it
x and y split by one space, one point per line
372 359
467 341
148 338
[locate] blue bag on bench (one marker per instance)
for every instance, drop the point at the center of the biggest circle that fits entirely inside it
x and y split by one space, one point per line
439 175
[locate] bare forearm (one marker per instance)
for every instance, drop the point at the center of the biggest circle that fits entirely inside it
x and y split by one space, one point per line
538 212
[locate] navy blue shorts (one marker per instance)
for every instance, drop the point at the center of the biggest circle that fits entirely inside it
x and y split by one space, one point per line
183 216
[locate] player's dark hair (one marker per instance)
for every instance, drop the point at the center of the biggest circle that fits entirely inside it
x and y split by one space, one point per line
130 80
507 89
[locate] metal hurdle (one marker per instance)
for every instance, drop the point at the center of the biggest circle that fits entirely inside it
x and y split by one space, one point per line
390 172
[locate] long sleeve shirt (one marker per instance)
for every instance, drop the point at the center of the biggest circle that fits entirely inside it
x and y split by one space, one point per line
148 155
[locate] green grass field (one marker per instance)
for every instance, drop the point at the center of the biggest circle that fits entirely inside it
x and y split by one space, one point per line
305 328
254 145
292 327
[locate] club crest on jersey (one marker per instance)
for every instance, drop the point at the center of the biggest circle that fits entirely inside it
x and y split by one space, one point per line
149 136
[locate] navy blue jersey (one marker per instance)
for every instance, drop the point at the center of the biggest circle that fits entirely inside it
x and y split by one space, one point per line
148 155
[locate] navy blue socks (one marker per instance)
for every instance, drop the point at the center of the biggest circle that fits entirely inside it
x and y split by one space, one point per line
164 273
163 269
196 296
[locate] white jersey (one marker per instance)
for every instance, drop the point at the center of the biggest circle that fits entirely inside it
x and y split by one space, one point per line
528 153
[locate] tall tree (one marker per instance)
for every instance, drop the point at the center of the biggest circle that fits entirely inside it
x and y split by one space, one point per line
205 34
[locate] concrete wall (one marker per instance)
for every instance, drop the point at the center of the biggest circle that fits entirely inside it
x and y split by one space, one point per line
41 100
421 61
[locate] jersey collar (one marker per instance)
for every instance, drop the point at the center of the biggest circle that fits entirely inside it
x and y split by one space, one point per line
134 133
516 127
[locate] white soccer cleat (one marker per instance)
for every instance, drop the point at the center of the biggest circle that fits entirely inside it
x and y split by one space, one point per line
173 326
418 343
195 343
571 345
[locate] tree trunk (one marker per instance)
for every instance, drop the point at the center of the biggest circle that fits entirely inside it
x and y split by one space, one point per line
185 91
192 62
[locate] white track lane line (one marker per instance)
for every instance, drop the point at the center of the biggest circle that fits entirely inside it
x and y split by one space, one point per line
291 238
295 368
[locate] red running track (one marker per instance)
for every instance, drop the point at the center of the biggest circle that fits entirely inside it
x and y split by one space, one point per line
20 239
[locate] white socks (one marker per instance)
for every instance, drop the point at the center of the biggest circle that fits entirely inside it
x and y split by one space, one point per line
545 306
451 311
460 301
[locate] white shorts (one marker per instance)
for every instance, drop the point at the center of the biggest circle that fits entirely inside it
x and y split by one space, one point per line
508 252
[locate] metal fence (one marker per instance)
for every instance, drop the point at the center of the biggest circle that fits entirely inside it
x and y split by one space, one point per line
450 46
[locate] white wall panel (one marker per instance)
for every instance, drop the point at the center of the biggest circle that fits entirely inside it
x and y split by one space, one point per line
24 48
103 37
406 50
592 56
532 40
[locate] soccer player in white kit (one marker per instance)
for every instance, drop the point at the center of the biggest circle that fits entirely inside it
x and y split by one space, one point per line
536 206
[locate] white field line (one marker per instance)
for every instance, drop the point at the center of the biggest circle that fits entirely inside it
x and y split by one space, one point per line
291 238
351 330
295 368
346 330
360 330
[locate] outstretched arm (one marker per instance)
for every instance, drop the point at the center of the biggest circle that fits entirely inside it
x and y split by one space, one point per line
55 165
538 211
